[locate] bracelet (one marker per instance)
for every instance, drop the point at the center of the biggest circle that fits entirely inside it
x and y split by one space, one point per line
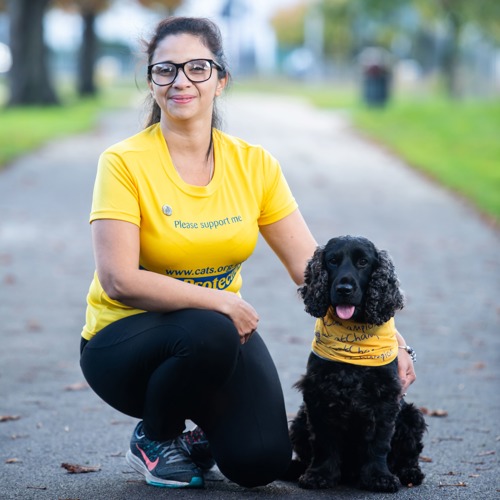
410 351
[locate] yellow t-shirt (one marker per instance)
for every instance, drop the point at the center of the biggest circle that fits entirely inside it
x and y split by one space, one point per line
352 342
198 234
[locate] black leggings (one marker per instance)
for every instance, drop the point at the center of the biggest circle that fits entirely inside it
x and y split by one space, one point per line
189 364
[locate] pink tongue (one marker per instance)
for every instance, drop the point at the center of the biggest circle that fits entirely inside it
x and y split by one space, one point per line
345 312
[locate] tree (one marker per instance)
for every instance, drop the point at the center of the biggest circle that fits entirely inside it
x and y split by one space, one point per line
456 14
29 80
89 10
288 24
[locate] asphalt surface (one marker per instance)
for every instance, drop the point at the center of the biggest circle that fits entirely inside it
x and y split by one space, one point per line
447 256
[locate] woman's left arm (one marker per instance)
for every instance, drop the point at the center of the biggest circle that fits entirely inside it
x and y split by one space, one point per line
292 241
406 369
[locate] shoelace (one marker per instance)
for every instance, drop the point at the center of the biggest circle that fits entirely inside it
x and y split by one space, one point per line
172 453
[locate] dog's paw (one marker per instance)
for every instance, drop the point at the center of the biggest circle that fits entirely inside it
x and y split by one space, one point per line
314 480
382 483
411 476
294 471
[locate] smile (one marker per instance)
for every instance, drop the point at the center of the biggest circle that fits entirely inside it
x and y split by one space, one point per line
180 99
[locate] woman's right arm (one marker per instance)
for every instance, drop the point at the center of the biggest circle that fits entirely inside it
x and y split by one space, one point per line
116 251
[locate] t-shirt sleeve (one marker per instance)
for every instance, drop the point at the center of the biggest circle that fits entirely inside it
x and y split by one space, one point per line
115 191
277 200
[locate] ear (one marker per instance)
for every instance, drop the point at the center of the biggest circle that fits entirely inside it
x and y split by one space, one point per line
221 85
151 89
383 295
315 292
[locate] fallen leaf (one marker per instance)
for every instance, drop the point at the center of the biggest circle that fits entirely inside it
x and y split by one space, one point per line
18 436
434 413
9 279
486 453
78 386
80 469
33 325
7 418
425 459
484 431
452 438
461 483
13 461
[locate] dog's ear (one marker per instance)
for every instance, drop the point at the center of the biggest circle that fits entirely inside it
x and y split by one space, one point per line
314 292
383 295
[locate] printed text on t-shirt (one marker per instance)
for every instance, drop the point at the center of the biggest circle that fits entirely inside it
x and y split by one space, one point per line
213 224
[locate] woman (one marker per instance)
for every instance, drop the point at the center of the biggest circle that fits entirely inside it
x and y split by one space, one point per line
176 210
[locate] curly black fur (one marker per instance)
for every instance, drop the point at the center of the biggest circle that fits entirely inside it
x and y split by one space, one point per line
353 425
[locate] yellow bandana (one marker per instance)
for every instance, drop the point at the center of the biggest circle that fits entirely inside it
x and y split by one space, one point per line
356 343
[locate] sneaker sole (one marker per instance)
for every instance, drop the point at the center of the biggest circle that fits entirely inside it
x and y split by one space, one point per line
137 464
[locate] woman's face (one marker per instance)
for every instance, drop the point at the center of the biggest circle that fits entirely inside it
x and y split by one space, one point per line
184 100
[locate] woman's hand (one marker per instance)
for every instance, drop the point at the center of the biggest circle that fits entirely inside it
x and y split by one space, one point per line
406 370
243 315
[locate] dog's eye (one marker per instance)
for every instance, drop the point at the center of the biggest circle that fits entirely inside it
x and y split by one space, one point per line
362 262
333 261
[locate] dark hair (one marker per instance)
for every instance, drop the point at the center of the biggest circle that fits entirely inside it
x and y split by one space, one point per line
208 33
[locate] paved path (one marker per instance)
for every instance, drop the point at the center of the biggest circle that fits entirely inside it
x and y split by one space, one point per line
448 260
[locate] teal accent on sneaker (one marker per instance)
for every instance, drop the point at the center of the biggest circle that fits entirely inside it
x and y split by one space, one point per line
163 463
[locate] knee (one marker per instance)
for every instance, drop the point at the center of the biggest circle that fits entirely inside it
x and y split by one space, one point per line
213 343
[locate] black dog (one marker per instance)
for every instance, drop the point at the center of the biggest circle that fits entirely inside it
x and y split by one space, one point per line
353 425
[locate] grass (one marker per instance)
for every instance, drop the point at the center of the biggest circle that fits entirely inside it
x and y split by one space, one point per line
458 144
455 142
24 129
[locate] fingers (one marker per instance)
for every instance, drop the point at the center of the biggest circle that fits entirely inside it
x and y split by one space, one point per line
406 371
246 337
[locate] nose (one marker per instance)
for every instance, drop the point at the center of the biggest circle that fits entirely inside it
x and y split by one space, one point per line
344 289
182 80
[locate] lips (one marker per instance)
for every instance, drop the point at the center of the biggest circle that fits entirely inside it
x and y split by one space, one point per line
182 99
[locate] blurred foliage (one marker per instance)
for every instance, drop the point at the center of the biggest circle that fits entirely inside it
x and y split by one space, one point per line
168 5
436 26
289 25
83 5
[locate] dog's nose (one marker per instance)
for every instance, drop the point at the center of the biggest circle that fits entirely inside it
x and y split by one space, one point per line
345 289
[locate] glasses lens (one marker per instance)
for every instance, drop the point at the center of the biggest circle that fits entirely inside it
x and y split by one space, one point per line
163 73
198 70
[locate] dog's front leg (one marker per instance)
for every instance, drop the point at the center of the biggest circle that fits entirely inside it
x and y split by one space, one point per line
375 474
324 469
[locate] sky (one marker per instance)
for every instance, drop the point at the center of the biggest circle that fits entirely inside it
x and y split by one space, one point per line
128 22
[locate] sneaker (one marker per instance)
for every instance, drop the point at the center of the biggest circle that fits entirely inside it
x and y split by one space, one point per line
196 443
163 463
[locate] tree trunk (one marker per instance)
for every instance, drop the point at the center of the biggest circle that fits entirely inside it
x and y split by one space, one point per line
88 56
452 56
29 80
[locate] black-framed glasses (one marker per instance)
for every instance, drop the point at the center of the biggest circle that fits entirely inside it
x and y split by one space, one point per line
196 71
